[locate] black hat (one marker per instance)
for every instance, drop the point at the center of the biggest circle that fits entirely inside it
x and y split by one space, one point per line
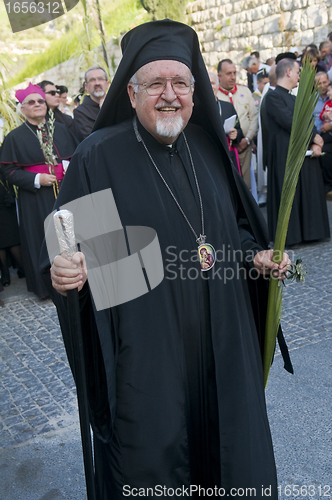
285 55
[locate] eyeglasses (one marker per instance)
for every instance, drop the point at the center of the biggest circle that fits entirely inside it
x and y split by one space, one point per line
156 86
98 79
53 92
32 102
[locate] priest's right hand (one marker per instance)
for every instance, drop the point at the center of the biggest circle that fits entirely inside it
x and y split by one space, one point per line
46 179
68 274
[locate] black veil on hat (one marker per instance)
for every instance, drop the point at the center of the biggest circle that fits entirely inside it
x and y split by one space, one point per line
154 41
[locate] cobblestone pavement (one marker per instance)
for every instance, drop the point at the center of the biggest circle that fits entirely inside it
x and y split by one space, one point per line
37 393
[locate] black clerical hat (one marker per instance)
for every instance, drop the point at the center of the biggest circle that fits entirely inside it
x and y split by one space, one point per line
159 40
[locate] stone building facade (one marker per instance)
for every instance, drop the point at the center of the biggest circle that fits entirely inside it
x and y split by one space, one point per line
232 29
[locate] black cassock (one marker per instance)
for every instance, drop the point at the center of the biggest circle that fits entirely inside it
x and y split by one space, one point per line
309 218
21 149
175 376
85 116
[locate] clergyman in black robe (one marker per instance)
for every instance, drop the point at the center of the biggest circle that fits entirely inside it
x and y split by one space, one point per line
21 159
175 376
309 217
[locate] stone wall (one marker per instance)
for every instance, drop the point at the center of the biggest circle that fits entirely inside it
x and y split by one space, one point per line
232 29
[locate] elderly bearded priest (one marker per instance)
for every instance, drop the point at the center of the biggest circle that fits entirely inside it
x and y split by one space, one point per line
177 398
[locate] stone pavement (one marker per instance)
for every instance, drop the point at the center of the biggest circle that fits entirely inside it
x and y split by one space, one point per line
40 452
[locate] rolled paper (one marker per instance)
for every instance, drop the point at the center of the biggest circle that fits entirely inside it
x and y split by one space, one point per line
64 227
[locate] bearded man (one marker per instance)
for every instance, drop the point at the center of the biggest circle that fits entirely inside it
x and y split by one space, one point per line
175 376
96 85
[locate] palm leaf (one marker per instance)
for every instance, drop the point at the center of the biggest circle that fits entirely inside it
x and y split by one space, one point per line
7 104
300 137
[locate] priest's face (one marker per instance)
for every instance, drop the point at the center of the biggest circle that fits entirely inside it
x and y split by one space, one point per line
166 114
34 108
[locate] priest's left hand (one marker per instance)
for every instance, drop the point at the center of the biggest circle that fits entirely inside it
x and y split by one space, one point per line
264 264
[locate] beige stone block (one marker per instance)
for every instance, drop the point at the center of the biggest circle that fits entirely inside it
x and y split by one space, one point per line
300 4
241 17
209 35
271 25
265 54
294 23
237 6
286 5
196 17
329 14
236 57
248 14
253 41
233 44
218 34
317 16
228 9
210 3
215 16
258 26
227 32
221 45
247 29
307 37
304 21
320 34
265 42
200 35
214 58
243 43
255 14
208 46
277 39
297 39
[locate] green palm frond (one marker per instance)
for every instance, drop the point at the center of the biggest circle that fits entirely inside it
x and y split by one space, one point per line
300 137
87 40
7 104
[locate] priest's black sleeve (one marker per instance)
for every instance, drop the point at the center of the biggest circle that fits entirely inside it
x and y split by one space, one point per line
19 177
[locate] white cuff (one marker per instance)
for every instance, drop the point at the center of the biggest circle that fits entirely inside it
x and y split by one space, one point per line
37 183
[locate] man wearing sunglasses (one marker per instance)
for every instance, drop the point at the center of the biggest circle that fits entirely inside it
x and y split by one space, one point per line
52 97
96 85
25 166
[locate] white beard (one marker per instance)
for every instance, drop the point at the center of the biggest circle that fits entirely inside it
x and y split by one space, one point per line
99 93
169 126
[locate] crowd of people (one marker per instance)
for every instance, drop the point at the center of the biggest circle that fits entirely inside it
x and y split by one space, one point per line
175 380
36 176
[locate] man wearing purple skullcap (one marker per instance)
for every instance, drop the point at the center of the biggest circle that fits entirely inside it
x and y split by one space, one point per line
175 384
24 165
